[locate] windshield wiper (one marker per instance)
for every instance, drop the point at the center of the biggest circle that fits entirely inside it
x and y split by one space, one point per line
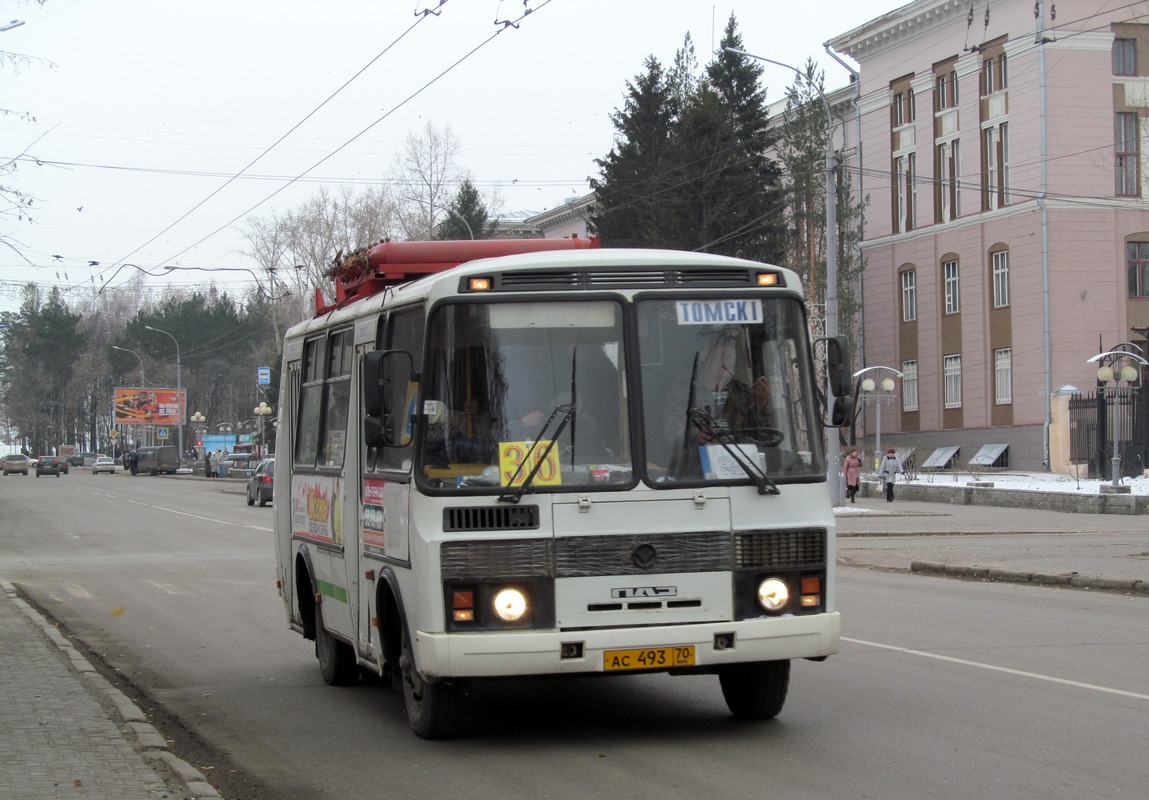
567 410
704 421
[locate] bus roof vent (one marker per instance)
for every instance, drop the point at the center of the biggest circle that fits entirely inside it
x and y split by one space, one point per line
491 518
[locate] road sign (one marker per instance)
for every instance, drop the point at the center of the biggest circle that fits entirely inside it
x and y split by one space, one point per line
113 434
162 434
264 376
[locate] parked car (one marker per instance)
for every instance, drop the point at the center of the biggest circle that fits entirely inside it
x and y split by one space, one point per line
237 465
104 464
259 485
49 465
82 459
16 462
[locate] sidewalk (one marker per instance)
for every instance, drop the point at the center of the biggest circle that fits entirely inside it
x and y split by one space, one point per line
66 732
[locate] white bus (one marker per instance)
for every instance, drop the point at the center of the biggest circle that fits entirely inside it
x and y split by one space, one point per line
555 463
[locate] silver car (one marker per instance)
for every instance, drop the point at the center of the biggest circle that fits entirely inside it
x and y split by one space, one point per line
104 464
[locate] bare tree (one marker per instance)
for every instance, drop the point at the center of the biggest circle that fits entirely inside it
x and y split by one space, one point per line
426 178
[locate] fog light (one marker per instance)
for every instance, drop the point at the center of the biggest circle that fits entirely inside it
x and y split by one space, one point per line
773 594
510 605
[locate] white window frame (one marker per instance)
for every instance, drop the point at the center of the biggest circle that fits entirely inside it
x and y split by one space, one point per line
952 372
949 172
1000 278
1127 154
909 295
1003 376
910 385
950 280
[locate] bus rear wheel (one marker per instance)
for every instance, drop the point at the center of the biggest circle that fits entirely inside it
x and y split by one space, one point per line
336 659
755 691
432 706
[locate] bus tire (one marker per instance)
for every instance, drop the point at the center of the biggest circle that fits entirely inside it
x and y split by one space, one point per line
336 659
755 691
432 706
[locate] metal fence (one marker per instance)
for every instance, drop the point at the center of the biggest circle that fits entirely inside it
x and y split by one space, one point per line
1108 416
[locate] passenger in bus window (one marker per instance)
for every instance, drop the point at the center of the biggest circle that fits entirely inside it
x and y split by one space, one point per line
721 388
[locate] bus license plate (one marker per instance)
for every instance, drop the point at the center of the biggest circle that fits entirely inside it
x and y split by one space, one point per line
649 658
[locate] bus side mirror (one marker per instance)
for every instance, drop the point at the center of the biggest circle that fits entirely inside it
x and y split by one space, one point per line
840 398
387 394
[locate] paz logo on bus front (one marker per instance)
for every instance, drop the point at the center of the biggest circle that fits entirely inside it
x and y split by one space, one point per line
719 312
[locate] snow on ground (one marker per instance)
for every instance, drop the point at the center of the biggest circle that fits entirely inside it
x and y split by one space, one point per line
1033 481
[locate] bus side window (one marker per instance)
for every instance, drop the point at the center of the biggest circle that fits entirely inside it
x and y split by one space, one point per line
333 442
310 404
405 329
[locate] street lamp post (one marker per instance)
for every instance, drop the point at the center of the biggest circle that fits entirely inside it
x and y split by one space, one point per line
262 411
179 388
1108 371
868 385
831 256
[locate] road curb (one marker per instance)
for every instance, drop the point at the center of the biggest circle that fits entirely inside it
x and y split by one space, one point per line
994 574
148 740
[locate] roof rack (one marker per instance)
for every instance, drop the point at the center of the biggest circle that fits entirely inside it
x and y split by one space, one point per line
370 270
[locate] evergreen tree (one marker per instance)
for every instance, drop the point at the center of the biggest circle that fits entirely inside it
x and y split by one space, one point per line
634 178
467 216
755 226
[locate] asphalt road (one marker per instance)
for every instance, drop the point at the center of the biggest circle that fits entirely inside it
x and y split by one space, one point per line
943 688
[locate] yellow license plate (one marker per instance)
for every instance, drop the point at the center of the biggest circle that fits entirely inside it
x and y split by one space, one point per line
649 658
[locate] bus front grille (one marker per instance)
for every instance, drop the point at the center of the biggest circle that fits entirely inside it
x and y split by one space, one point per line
490 518
784 549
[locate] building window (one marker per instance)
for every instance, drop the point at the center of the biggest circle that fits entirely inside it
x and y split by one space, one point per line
909 296
951 288
1137 261
953 381
945 90
948 196
1002 75
911 111
905 192
1000 278
1003 376
987 84
996 178
899 110
1128 151
1124 56
909 386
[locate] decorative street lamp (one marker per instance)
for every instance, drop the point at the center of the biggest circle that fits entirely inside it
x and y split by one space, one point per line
198 420
263 410
1108 371
868 385
179 388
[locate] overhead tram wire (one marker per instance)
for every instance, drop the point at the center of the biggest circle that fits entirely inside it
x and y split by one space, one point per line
421 16
505 24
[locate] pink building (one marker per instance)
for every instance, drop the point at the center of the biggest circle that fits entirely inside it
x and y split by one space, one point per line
1006 237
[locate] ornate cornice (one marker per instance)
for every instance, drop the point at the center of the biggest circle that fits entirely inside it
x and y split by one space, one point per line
890 29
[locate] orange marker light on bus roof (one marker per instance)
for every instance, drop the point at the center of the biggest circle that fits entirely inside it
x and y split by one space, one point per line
479 284
767 278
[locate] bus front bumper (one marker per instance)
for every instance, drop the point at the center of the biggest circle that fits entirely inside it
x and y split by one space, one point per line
524 653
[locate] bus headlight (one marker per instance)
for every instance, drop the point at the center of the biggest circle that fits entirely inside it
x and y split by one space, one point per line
509 605
773 594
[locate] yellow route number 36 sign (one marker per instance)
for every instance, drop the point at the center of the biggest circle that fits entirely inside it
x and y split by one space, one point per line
517 459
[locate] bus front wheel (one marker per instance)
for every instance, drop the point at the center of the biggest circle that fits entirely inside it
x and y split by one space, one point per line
336 659
432 706
755 691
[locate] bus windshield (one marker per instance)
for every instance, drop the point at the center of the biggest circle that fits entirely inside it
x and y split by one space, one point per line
727 390
525 391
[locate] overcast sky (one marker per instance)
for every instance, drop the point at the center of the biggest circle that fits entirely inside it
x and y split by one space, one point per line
143 109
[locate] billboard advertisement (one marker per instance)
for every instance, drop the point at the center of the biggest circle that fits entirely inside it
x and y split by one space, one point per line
136 406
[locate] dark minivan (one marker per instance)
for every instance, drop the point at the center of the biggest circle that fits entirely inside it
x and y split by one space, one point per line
163 460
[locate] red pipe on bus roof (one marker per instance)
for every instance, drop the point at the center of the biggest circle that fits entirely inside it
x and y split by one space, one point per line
458 251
